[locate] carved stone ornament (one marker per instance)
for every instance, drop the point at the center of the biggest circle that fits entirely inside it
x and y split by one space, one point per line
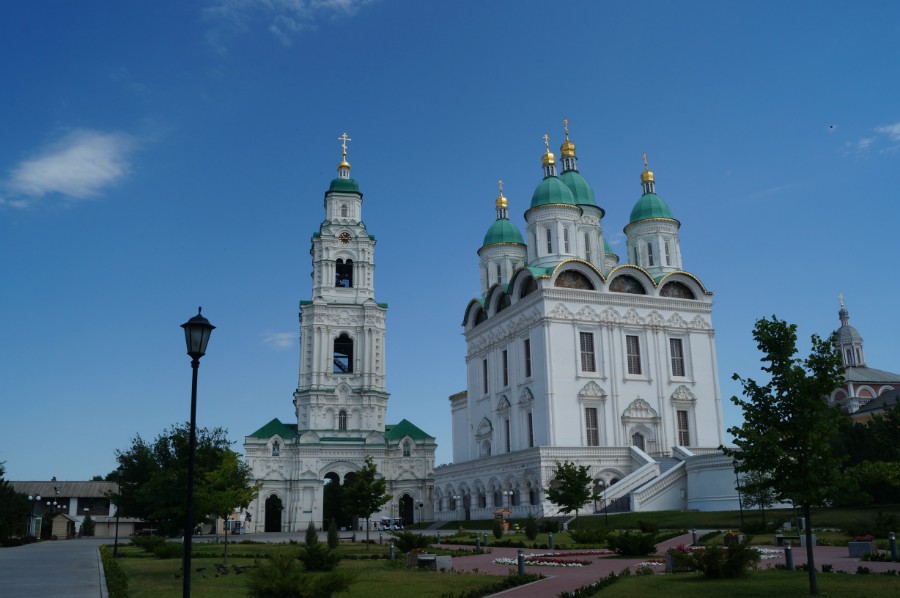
676 321
632 317
561 312
484 428
503 404
592 390
684 395
700 324
526 397
639 410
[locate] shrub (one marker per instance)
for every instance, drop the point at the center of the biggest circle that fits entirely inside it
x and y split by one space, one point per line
632 543
87 526
334 540
408 541
549 526
316 557
169 550
648 527
734 561
498 529
280 576
510 581
116 581
312 534
147 543
589 535
531 529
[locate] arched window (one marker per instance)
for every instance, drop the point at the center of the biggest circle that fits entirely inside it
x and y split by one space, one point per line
343 355
276 449
343 210
627 284
572 279
343 273
342 420
406 448
676 289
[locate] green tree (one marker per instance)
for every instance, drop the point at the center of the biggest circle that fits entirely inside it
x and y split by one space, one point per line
87 526
788 427
365 493
154 478
756 491
13 509
873 457
570 488
334 539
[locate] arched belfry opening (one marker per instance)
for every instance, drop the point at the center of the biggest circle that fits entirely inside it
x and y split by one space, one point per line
343 354
343 273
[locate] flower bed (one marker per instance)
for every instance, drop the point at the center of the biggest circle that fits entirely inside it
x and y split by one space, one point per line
535 560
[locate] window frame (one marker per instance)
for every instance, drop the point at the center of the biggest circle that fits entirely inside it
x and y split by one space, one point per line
633 364
591 426
587 354
678 360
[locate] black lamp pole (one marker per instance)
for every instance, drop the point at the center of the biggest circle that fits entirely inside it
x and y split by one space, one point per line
119 473
737 484
196 335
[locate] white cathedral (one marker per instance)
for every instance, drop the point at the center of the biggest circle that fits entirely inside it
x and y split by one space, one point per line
341 397
572 356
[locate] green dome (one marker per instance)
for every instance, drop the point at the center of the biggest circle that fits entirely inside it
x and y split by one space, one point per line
650 206
502 231
551 190
606 248
345 185
580 188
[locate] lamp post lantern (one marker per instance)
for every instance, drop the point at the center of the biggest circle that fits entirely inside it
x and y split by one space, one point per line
35 501
196 336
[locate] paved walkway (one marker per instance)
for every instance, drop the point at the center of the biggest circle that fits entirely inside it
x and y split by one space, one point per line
69 568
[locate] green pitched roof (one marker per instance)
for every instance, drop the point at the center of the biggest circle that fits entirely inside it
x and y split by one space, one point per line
345 185
405 428
275 427
503 231
650 206
550 191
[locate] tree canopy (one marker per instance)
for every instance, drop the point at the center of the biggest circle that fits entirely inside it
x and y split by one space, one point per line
14 509
154 478
365 494
570 488
788 426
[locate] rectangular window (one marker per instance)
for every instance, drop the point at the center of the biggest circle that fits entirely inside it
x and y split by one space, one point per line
649 254
484 375
684 436
588 363
549 241
530 430
587 246
592 430
528 358
677 351
668 255
566 239
505 370
506 432
499 274
633 352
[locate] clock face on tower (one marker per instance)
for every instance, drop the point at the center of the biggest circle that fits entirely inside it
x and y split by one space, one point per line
344 237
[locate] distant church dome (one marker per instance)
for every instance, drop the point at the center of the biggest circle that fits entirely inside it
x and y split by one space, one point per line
503 231
580 188
650 206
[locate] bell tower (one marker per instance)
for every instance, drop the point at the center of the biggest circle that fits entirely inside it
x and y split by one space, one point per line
341 387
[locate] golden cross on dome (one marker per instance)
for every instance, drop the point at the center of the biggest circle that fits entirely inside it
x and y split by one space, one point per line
644 156
566 126
547 142
500 182
841 297
344 139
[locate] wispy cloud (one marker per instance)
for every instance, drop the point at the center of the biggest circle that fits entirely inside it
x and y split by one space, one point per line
81 164
889 133
279 340
283 19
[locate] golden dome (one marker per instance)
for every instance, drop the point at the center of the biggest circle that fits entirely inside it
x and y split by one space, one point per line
344 164
548 158
567 149
501 201
646 176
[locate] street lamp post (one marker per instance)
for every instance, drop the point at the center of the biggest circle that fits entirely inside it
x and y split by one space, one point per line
508 494
119 473
35 500
737 485
196 336
456 507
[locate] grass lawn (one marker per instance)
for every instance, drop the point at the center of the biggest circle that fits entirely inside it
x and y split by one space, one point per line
152 577
763 584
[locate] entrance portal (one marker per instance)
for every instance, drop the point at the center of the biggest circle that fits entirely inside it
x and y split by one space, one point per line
273 514
407 509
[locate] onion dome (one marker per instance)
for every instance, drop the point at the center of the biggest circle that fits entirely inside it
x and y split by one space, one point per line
847 334
551 190
567 149
502 230
607 250
580 188
649 205
344 183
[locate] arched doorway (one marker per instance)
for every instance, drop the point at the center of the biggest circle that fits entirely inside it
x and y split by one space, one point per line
273 514
407 509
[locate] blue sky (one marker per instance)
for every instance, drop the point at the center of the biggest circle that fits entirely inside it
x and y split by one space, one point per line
158 156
